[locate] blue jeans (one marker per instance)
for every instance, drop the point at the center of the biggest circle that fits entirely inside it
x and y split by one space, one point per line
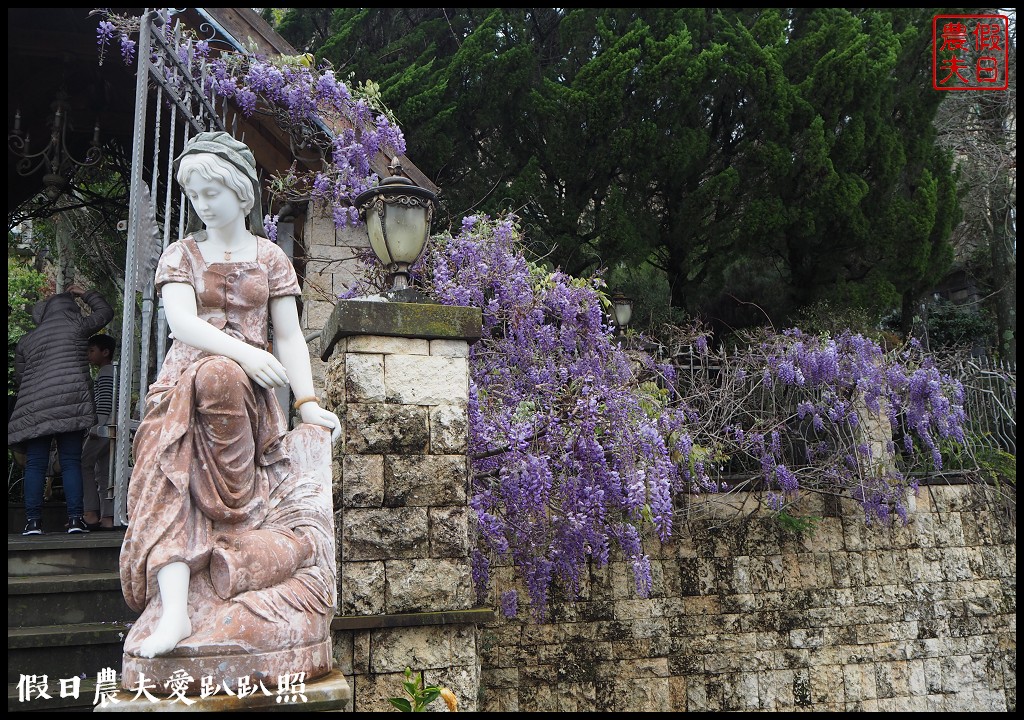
37 451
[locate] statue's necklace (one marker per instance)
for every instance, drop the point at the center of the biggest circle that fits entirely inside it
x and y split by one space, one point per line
227 254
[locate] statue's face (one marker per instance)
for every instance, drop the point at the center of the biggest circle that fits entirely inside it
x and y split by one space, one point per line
216 204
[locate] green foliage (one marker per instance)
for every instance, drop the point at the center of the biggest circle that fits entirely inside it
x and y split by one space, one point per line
958 326
648 287
652 398
303 30
825 317
997 465
797 525
981 453
418 695
950 327
25 287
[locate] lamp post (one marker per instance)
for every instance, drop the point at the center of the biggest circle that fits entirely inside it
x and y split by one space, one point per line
397 215
622 311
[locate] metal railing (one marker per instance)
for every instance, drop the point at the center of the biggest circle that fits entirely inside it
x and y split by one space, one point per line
171 105
990 403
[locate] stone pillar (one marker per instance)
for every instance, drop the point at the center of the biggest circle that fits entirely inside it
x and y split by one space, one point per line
398 377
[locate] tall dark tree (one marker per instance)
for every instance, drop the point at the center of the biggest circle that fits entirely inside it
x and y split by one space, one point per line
875 196
763 159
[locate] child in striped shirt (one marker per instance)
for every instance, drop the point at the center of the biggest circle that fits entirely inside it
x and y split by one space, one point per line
98 501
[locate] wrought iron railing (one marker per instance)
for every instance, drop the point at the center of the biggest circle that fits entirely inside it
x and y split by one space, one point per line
990 403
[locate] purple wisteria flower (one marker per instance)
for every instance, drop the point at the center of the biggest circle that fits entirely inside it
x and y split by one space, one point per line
104 32
270 225
510 603
569 445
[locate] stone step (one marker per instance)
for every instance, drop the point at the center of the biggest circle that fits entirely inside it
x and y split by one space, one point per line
36 600
58 553
55 514
63 651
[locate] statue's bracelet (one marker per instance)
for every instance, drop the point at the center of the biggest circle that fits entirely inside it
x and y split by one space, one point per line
303 400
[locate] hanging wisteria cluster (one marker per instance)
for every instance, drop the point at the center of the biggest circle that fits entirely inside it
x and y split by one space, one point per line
320 112
837 407
107 31
571 457
302 97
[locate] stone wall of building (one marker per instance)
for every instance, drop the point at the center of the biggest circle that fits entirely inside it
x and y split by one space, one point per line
329 270
747 616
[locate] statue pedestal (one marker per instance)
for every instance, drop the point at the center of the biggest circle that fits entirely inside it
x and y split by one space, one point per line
328 693
227 669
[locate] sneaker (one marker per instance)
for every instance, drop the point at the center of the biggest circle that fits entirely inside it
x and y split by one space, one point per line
33 527
77 525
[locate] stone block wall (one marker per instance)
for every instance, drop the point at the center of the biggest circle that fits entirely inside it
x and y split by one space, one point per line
745 616
330 269
400 496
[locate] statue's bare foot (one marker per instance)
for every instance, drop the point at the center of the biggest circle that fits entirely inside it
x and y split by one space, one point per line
172 629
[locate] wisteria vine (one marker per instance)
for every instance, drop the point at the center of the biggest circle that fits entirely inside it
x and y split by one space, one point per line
581 444
570 455
304 99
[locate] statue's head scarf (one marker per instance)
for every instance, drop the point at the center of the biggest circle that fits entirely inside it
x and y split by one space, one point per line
239 157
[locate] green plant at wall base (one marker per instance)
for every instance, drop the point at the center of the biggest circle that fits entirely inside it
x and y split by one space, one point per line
419 696
981 454
797 525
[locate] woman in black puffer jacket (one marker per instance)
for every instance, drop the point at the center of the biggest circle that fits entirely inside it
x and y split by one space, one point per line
55 398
